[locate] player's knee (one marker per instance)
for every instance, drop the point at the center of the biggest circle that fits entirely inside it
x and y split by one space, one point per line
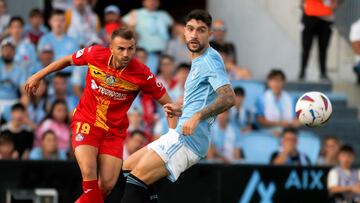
106 186
89 173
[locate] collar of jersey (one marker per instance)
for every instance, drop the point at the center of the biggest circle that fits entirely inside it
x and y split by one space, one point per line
201 56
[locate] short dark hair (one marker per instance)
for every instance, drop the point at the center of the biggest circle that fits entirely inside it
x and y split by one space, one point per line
141 49
61 75
6 138
142 133
239 91
201 15
18 19
183 66
46 133
56 12
275 73
166 56
18 107
347 149
332 137
125 33
35 13
290 130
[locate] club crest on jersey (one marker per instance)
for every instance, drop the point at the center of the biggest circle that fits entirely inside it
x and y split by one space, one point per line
110 79
79 137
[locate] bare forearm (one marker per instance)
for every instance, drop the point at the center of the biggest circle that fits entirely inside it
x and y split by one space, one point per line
172 121
280 159
54 66
264 122
339 189
356 47
224 101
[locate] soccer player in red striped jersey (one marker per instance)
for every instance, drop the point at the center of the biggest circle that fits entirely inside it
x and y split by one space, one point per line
100 121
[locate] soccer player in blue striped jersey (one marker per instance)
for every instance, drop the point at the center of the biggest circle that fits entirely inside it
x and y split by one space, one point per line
207 93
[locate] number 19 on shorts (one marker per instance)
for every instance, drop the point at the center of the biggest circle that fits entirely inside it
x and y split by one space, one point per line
83 128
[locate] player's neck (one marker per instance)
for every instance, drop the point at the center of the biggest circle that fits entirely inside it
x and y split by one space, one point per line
115 65
194 55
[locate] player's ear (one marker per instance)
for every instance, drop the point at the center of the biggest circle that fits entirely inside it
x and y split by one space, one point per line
210 32
111 48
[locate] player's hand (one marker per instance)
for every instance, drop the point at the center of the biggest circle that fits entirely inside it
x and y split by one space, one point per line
355 188
32 84
190 125
173 109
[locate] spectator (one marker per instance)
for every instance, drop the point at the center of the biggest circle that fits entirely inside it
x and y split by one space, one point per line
135 141
78 80
275 109
177 46
37 105
135 116
60 84
82 23
113 21
25 51
35 28
151 26
234 71
12 73
317 19
329 152
219 42
141 54
288 153
58 121
182 72
46 56
355 42
226 140
343 182
241 117
4 19
7 148
166 72
48 149
20 133
59 41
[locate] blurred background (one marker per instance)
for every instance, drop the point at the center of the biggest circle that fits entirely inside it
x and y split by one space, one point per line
273 50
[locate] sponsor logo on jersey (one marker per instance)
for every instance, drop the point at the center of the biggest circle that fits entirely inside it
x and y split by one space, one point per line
110 93
79 137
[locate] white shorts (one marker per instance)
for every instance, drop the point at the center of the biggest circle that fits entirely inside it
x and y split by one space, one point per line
173 151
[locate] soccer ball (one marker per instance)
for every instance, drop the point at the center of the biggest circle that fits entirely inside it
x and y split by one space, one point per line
313 109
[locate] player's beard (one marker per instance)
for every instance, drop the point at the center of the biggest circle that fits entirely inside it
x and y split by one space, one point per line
198 49
123 62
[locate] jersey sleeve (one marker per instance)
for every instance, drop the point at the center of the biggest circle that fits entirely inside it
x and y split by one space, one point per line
217 77
355 32
82 56
151 85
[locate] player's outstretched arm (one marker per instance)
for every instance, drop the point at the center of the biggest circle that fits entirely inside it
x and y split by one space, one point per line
33 82
164 100
225 100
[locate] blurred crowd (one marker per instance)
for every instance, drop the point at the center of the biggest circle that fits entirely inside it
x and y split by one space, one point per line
36 127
